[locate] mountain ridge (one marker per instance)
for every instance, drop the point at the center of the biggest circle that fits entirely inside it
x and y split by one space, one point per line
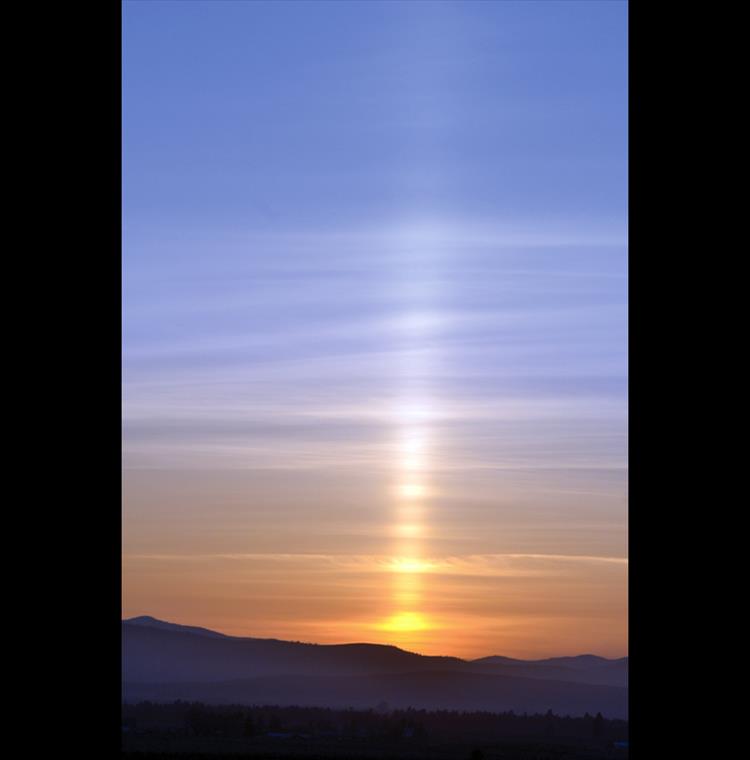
148 620
166 661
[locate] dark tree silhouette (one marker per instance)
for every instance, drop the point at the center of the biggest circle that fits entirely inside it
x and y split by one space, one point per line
320 724
249 729
597 726
549 728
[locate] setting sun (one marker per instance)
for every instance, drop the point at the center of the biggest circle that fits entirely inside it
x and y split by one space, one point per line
404 622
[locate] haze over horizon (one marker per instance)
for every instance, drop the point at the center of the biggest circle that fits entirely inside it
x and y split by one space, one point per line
374 326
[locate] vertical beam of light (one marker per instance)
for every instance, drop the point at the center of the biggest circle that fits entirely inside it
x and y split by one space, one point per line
418 253
413 418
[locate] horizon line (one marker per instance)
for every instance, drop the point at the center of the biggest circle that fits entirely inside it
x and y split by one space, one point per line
368 643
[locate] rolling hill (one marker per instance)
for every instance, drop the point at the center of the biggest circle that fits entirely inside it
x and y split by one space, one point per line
165 662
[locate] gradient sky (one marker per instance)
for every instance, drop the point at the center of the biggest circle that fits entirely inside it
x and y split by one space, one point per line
375 307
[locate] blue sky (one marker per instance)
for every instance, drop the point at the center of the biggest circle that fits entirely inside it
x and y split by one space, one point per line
366 237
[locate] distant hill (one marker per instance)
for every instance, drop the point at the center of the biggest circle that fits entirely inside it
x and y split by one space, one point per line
165 661
585 668
151 622
164 653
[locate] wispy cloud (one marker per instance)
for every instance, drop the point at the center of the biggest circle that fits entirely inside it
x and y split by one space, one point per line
489 564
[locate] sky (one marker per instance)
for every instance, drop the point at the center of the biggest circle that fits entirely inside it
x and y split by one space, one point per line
375 322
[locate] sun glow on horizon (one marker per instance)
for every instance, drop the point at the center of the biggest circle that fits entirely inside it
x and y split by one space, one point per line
405 622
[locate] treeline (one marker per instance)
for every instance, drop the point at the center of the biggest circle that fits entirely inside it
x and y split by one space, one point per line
197 719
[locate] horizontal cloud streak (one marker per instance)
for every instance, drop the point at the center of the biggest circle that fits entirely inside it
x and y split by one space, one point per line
385 563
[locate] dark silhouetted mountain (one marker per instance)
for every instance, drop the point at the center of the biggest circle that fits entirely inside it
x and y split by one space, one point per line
585 668
164 661
152 622
175 653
